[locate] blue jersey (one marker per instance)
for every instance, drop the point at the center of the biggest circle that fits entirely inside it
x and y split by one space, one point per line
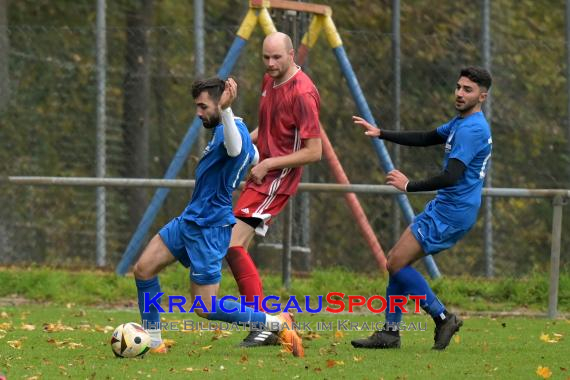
469 141
217 176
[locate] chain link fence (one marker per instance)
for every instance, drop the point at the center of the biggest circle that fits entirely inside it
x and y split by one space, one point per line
47 126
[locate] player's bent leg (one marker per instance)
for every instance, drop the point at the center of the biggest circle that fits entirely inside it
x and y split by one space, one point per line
280 327
406 251
241 264
154 258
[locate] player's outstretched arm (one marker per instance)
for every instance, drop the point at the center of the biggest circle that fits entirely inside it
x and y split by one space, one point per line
410 138
232 137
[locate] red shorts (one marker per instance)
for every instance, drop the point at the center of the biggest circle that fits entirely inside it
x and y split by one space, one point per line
253 204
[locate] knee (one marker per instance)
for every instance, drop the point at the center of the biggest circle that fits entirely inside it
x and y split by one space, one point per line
392 265
143 272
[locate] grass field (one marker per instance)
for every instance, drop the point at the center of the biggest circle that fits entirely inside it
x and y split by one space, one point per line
68 337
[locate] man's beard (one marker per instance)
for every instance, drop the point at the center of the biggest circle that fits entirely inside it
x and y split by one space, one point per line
212 123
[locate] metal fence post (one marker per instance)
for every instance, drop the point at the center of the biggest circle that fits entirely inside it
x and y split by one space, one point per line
557 204
101 42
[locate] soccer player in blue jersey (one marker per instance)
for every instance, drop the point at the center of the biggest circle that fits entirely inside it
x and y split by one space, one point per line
448 217
200 236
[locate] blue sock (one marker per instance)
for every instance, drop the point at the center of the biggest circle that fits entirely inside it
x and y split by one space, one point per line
247 317
393 289
413 283
150 320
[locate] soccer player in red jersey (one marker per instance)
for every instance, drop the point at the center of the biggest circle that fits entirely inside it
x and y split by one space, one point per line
287 137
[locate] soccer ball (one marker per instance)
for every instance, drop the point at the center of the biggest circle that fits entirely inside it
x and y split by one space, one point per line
130 340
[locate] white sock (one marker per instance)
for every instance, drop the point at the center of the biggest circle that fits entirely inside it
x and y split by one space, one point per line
155 337
272 321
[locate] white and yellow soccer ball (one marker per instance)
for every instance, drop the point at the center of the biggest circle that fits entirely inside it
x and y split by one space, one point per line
130 340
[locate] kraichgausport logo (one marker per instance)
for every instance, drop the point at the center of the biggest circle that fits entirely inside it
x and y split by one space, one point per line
333 302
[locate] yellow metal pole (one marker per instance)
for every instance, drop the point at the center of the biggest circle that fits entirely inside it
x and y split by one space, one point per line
247 25
311 36
266 22
330 31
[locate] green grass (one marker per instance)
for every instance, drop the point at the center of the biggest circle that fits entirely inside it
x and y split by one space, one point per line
507 348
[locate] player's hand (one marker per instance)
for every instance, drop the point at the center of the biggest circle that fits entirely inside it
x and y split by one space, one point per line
397 179
369 129
229 94
259 171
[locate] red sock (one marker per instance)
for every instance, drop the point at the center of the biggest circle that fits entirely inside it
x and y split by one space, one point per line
245 273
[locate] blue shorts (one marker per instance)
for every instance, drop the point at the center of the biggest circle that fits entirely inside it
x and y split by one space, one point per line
433 234
200 248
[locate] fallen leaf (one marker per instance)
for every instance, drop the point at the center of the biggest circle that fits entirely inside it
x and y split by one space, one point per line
4 315
544 337
5 326
27 327
169 342
544 372
17 344
219 334
331 363
104 329
457 339
243 359
3 333
311 335
56 327
189 369
357 358
66 343
338 334
207 347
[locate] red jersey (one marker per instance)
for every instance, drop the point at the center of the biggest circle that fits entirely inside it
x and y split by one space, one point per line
288 114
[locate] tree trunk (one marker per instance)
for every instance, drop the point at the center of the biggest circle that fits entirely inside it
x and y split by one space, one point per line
136 101
4 55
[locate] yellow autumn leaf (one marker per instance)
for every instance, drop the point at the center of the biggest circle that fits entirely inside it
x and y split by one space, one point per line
457 339
311 335
4 315
27 327
357 358
17 344
5 326
205 348
168 342
544 337
338 334
56 327
544 372
3 333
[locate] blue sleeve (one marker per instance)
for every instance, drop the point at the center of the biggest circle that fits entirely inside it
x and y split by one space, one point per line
467 143
445 129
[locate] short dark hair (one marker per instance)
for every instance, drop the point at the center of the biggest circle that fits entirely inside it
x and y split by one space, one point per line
478 75
214 86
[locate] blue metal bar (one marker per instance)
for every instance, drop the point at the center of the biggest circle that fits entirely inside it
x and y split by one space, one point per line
381 151
176 164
